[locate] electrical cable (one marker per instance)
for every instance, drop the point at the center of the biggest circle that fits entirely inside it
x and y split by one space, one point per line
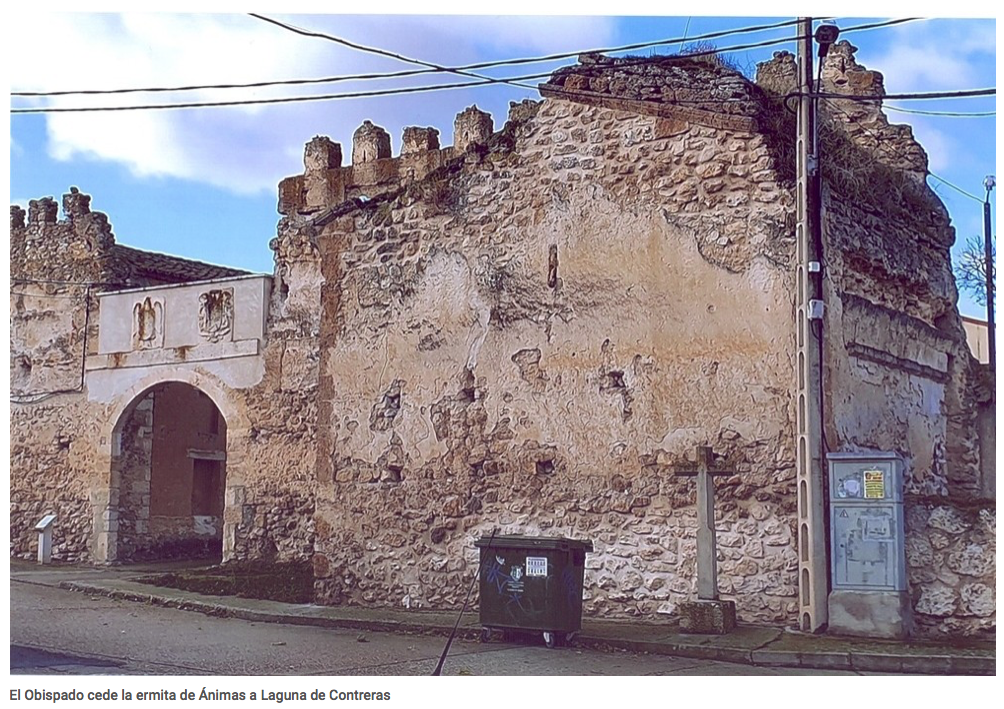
376 50
412 72
955 187
917 96
398 91
951 114
878 25
487 81
686 29
901 156
864 98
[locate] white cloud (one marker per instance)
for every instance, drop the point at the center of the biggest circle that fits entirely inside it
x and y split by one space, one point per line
543 34
932 55
940 147
247 149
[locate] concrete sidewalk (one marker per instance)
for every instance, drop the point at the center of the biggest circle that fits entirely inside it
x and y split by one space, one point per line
749 644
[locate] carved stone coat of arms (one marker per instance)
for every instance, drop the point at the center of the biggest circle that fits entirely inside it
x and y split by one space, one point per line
216 314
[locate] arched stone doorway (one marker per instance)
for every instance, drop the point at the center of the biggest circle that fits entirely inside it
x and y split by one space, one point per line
168 476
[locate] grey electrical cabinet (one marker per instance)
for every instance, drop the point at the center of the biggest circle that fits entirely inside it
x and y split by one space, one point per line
866 522
867 546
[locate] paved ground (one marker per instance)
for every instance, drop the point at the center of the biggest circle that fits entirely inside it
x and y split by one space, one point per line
54 631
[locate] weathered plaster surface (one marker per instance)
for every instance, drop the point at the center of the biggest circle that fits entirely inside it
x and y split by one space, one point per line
899 371
534 340
528 330
81 423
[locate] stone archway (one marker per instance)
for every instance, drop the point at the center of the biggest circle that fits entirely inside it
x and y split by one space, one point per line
174 483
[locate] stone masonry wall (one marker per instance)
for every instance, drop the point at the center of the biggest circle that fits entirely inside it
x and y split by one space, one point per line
276 519
53 311
898 372
49 473
533 336
59 420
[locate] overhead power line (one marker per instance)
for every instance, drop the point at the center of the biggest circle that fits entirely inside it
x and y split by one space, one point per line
951 114
955 187
376 50
392 92
964 93
438 87
411 72
878 25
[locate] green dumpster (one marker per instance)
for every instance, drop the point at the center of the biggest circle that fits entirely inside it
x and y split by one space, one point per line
532 584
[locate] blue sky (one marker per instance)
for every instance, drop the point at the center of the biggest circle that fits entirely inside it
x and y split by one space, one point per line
202 183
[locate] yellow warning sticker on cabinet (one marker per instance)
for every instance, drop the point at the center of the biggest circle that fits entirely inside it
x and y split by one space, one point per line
874 484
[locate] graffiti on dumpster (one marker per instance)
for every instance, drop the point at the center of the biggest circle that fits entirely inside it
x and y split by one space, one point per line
506 584
570 585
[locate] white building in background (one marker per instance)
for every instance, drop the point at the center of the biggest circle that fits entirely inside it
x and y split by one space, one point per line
976 336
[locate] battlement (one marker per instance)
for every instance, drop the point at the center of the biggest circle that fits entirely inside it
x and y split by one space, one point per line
82 247
43 215
45 210
374 169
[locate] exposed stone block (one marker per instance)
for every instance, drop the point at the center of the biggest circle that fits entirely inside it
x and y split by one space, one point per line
321 153
42 211
370 142
417 140
76 204
707 617
472 126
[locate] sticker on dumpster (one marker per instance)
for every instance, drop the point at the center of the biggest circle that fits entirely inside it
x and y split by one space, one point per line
874 485
536 566
514 582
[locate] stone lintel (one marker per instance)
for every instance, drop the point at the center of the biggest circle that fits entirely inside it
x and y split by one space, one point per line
707 617
696 116
206 351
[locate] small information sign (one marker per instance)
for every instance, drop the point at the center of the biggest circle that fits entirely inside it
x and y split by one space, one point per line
536 566
874 485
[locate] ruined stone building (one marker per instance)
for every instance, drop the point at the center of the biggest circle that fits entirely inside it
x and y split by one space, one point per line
526 330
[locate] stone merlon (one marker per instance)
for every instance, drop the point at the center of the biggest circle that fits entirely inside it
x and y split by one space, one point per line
369 143
16 217
471 127
374 170
322 153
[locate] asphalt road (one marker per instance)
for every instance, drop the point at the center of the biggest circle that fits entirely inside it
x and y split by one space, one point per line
57 632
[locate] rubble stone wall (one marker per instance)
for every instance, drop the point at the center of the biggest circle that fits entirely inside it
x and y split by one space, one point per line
63 419
899 372
50 474
534 336
53 314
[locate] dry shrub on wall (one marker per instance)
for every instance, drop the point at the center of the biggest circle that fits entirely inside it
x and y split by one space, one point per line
709 55
864 177
779 126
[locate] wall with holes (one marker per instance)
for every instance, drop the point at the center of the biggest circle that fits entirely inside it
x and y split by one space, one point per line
532 338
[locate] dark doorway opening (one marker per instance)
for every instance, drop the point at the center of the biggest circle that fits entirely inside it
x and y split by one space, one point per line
170 467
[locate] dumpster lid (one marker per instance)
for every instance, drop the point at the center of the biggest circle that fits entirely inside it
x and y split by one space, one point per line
523 542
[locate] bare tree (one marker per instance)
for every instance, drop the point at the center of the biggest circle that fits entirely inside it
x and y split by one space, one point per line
971 269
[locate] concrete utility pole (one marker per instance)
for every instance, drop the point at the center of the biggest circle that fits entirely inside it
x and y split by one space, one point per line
988 269
813 572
